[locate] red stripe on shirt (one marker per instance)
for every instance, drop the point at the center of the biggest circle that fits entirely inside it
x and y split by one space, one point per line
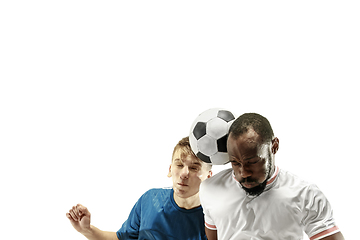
273 179
209 226
330 230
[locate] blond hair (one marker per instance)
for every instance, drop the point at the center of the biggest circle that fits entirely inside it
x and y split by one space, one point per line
184 146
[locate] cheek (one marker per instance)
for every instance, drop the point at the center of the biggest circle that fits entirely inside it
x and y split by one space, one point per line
204 174
262 172
174 173
237 175
197 178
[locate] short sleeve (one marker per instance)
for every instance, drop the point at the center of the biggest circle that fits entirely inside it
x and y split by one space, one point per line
209 223
317 218
130 228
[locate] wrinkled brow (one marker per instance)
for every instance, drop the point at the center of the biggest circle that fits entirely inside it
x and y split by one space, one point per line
194 162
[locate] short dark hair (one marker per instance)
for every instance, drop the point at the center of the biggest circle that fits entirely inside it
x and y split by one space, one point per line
255 121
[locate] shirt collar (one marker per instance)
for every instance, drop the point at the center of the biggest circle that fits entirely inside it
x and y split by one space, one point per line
273 177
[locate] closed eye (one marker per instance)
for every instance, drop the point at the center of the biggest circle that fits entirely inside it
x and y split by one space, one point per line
254 161
234 163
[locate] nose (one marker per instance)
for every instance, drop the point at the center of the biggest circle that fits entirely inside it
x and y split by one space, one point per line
245 172
184 174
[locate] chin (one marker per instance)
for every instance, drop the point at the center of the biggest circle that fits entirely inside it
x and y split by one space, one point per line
255 191
184 194
179 191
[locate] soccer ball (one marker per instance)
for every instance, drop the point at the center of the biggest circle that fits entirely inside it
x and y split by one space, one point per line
208 135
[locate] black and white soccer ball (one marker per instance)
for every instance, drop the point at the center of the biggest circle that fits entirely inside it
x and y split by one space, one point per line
208 135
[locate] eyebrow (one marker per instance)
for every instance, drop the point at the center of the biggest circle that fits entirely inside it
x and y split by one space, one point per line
196 163
179 160
245 160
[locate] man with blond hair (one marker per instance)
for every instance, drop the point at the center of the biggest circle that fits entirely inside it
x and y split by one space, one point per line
162 213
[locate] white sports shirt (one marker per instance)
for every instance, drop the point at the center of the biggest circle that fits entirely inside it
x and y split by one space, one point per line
288 207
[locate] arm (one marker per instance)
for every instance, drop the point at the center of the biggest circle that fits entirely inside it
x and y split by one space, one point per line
336 236
79 217
97 234
318 216
212 234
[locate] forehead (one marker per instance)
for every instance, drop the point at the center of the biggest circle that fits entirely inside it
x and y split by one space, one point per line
183 156
250 139
246 145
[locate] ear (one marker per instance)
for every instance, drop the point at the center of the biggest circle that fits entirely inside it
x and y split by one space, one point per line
275 145
169 174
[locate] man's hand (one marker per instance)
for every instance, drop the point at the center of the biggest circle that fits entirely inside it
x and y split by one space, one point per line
79 217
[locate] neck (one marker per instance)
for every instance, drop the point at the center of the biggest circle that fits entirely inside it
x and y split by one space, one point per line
272 171
187 203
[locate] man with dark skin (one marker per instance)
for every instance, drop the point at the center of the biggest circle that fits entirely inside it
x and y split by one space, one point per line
255 199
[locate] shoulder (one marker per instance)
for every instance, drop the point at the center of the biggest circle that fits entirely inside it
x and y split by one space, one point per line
157 193
155 197
218 182
219 177
293 183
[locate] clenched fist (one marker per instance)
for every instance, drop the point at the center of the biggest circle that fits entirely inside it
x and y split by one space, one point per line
79 217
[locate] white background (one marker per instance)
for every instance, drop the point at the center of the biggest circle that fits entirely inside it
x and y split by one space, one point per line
94 95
